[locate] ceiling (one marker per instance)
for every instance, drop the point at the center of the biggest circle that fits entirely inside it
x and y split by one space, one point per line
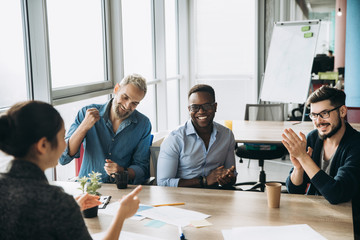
321 5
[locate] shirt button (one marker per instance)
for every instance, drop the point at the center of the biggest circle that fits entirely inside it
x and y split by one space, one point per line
110 154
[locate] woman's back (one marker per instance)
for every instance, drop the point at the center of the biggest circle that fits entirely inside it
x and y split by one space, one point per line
30 208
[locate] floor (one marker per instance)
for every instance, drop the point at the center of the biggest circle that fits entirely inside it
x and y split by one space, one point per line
275 170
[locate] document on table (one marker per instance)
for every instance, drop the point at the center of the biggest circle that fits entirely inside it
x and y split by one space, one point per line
173 215
112 208
293 232
125 236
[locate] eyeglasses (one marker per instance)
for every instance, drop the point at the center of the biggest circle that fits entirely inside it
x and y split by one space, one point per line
323 114
204 107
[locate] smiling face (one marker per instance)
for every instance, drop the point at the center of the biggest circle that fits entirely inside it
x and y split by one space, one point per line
202 120
126 100
330 126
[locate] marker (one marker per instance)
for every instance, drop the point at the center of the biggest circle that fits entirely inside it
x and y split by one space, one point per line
169 204
181 234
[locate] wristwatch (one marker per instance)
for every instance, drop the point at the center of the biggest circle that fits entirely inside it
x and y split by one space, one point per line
203 181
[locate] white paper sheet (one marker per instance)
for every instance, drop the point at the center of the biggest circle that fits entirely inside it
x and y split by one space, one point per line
173 215
126 236
111 209
293 232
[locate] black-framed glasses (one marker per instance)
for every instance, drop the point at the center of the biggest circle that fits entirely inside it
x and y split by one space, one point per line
323 114
204 107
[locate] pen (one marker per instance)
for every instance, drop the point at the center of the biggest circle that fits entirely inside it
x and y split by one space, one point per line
169 204
181 234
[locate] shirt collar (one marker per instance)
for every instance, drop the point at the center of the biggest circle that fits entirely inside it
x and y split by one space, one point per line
190 129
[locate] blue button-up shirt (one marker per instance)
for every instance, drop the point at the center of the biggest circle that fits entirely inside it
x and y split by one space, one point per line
128 147
183 154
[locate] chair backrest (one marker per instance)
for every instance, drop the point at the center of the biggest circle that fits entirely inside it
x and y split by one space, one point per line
154 154
264 112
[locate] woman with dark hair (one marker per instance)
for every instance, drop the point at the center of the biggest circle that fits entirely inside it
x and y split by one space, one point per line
33 132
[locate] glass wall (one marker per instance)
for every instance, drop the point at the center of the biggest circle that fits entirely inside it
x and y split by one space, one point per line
224 55
172 64
138 49
71 57
13 81
76 42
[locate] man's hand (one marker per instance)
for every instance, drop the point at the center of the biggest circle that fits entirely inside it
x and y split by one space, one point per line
296 162
221 176
295 145
299 156
91 117
214 174
86 201
228 177
112 167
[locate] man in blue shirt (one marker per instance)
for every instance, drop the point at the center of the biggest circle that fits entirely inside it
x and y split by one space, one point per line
201 152
115 136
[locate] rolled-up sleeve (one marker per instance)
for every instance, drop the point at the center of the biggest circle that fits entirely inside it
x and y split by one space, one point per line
65 158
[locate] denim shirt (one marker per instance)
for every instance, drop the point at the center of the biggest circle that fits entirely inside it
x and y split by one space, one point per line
128 147
183 154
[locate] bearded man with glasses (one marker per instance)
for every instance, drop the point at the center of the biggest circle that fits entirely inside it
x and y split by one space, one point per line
201 152
327 161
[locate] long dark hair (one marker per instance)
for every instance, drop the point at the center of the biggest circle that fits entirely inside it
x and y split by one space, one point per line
25 123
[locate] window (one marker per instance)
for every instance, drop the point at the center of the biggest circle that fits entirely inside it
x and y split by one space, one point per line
225 45
137 38
13 83
138 49
172 69
76 42
224 52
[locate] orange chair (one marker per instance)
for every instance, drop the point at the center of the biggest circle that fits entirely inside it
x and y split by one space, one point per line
78 161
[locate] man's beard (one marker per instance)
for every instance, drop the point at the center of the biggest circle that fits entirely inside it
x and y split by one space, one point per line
332 132
120 115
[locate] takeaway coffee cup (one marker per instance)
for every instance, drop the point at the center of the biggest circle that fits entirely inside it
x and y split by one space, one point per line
121 179
273 191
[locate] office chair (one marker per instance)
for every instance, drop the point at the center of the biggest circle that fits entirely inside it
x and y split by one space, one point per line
154 154
261 152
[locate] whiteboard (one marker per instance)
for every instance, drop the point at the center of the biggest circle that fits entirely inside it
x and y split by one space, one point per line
288 69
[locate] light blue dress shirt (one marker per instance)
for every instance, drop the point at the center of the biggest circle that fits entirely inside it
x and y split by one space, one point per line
128 147
183 154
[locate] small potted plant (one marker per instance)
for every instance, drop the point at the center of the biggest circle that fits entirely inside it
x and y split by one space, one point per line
90 185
